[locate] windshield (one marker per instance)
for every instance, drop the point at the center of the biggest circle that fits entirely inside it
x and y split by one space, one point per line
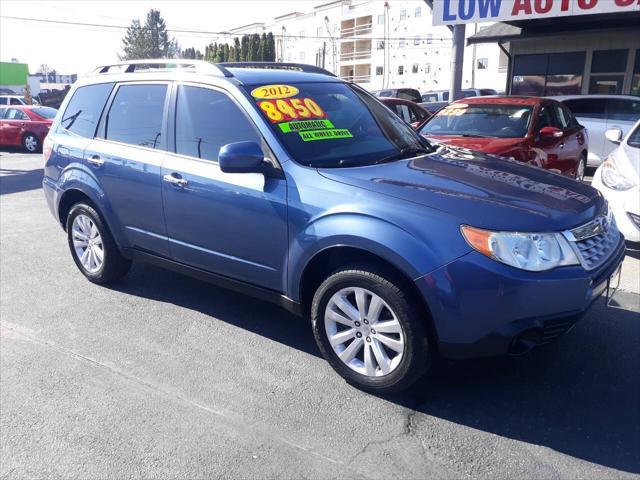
45 112
460 119
334 124
634 138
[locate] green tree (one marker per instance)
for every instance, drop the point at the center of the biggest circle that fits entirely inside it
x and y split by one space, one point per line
263 43
237 50
270 49
244 48
150 40
254 47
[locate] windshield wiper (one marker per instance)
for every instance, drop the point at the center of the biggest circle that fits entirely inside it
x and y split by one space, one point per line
474 135
405 152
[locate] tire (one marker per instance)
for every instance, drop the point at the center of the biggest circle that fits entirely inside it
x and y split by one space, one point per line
404 368
31 143
581 168
86 232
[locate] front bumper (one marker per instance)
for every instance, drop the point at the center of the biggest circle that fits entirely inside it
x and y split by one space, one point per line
481 307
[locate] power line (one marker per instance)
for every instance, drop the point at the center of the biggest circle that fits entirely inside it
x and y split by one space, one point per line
212 33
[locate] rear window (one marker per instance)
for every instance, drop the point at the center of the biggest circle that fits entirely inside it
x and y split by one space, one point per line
460 119
83 111
407 94
332 124
623 109
45 112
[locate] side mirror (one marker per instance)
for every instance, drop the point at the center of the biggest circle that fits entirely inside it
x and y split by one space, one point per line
614 135
551 132
241 157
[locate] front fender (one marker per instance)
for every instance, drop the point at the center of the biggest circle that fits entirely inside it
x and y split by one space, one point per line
392 243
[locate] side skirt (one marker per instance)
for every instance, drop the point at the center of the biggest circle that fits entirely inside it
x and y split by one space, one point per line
218 280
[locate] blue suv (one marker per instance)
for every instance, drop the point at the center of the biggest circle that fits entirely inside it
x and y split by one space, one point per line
287 183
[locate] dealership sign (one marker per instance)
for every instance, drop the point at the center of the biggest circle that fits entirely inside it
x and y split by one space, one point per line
451 12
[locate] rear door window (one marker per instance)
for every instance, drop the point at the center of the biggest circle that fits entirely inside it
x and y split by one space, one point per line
136 115
623 109
15 114
587 107
83 111
207 120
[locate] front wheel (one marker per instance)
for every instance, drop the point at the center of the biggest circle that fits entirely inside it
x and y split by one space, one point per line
581 168
92 247
369 330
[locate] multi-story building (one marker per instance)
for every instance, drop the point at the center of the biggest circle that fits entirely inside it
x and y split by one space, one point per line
380 44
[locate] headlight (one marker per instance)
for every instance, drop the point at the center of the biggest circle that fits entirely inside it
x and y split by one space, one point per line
534 252
614 179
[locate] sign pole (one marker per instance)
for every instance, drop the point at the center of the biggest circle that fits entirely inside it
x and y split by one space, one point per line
457 60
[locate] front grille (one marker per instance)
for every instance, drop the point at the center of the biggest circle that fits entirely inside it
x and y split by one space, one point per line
554 328
595 241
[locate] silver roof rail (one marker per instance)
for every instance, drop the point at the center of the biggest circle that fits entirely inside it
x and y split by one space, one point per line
195 66
301 67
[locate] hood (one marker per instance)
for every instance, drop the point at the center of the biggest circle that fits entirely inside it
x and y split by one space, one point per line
480 190
491 145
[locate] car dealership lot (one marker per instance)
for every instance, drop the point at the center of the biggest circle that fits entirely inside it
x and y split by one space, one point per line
164 376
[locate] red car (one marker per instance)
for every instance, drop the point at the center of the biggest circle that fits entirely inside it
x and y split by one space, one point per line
25 125
538 131
407 110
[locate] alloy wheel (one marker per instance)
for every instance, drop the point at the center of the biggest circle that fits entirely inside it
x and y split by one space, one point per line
31 143
364 332
87 243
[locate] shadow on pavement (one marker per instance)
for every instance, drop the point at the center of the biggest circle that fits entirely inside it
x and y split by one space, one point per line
579 396
14 181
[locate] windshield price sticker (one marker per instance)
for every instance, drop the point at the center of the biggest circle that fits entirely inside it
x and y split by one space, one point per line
284 110
274 91
312 135
305 125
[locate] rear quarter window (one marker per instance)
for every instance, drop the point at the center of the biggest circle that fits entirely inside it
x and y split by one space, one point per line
83 111
587 107
623 109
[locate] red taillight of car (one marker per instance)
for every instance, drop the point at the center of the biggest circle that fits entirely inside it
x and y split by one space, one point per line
47 148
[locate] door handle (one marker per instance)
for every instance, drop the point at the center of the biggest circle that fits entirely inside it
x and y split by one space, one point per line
95 160
562 145
177 181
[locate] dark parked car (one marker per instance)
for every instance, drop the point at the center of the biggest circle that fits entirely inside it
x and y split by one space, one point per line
25 125
443 95
532 130
405 93
303 189
407 110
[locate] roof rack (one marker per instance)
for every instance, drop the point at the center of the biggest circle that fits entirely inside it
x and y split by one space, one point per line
195 66
302 67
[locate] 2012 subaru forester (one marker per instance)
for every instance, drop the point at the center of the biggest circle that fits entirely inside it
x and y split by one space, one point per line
285 182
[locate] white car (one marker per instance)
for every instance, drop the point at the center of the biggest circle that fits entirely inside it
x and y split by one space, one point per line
618 178
599 113
15 100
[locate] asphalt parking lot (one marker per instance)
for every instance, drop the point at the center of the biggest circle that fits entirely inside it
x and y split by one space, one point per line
164 376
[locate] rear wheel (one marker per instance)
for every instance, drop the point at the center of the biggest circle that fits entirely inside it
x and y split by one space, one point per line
581 168
92 247
31 143
368 329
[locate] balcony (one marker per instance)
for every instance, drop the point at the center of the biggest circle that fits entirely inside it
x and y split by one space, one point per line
356 27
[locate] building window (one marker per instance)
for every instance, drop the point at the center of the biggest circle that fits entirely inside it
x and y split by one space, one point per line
548 74
302 56
302 34
320 31
380 45
416 40
379 70
403 14
429 39
400 69
482 64
414 68
607 71
380 19
401 43
427 68
418 12
335 28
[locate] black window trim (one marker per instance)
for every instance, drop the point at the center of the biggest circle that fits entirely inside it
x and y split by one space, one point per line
100 131
269 153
